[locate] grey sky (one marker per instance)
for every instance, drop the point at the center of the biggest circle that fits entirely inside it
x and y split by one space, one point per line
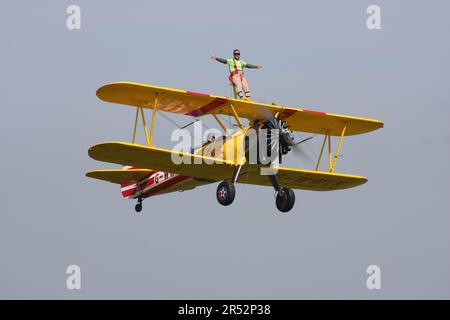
317 54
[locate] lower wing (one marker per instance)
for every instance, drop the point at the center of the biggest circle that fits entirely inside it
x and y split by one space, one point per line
153 158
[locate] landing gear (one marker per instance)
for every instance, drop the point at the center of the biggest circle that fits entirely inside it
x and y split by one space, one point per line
225 193
225 190
285 199
138 206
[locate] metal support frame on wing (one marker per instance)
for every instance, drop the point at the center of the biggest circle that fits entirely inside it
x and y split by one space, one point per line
148 138
219 122
135 126
331 161
321 150
136 119
329 153
236 116
145 126
152 126
338 148
326 138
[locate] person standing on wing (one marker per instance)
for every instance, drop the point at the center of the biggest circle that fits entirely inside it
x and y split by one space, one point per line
236 66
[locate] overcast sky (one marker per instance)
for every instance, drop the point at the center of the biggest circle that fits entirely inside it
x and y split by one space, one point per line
315 54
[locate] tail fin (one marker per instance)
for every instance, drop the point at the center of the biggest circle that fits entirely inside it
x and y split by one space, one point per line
128 189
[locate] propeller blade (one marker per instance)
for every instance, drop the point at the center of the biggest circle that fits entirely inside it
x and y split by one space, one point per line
304 140
301 154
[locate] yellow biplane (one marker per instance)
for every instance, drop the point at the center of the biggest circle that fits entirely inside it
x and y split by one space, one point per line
149 170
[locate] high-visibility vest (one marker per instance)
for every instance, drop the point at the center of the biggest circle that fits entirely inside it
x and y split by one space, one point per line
236 66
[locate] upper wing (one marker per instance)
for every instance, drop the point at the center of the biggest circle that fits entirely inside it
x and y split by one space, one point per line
198 104
160 159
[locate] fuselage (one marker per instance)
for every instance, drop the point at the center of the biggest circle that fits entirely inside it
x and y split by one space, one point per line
157 183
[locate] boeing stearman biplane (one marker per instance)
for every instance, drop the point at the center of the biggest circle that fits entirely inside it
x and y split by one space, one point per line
149 170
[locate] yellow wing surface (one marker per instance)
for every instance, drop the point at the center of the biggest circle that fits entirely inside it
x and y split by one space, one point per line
303 179
161 159
119 175
198 104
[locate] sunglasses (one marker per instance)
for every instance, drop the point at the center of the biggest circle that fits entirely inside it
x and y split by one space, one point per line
237 53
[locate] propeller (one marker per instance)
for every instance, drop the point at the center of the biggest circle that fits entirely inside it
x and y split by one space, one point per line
301 154
286 137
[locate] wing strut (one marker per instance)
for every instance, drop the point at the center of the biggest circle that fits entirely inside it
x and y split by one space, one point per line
331 161
148 138
236 116
152 125
338 148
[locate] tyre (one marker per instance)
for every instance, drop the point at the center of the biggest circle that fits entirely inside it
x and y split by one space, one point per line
285 199
138 207
225 193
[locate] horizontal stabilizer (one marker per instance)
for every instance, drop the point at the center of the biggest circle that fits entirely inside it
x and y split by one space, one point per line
120 176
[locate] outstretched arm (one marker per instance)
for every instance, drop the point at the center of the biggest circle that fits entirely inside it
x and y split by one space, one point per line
253 66
214 57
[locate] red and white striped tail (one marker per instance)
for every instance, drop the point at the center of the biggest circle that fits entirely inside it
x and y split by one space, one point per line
128 189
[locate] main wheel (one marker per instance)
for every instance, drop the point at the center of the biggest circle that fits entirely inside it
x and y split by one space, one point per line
225 193
138 207
285 199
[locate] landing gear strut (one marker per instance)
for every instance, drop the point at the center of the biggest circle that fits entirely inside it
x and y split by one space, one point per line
138 206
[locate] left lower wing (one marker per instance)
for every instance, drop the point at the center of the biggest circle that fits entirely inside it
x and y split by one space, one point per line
160 159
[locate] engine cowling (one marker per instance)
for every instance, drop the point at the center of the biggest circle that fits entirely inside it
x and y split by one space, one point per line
282 144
